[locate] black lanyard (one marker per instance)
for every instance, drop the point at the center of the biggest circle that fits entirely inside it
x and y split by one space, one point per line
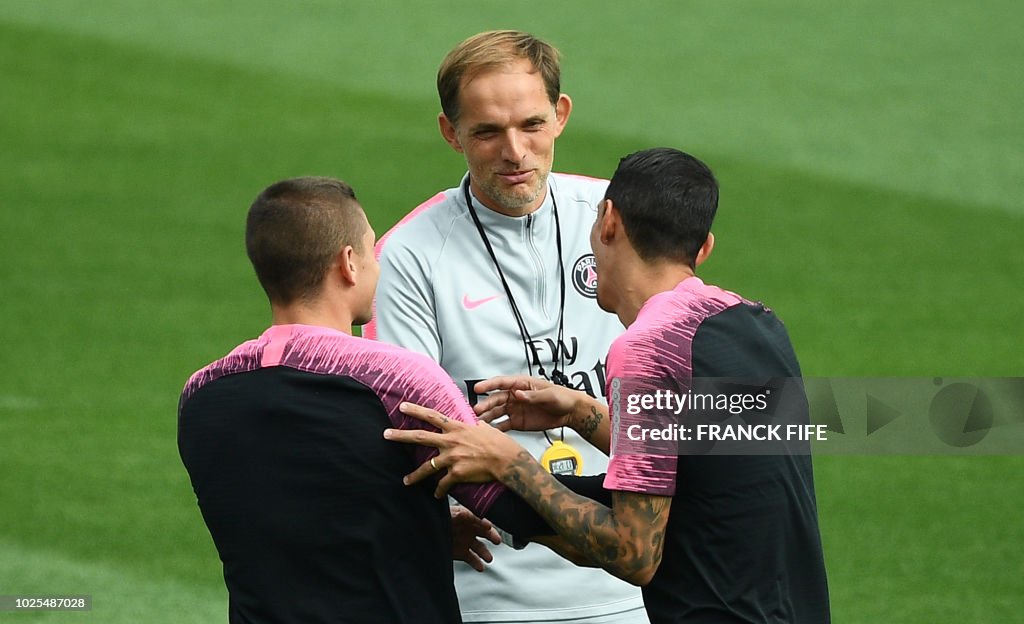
557 375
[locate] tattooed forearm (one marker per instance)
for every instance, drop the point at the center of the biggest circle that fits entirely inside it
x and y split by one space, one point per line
625 540
591 422
588 425
566 550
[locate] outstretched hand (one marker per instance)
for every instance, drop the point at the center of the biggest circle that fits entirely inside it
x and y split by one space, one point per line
531 404
468 453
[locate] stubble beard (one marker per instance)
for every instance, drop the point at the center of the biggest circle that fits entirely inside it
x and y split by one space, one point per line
514 201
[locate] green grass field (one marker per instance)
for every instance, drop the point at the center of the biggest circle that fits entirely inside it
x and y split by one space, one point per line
870 158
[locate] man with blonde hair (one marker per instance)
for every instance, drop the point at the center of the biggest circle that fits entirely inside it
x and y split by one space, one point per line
715 533
495 277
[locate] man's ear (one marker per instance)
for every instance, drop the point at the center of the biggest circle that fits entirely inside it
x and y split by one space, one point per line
705 249
563 108
346 265
447 128
610 220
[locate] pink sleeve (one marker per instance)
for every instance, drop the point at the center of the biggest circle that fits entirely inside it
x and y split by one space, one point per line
418 379
637 464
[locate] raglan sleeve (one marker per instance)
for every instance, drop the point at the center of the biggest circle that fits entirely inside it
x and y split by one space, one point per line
638 462
425 383
414 378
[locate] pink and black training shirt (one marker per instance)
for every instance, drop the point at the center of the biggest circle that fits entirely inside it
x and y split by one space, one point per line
283 442
742 542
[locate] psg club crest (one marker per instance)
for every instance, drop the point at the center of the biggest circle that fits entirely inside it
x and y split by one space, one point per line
584 276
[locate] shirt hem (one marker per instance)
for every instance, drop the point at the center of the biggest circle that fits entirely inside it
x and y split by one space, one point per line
573 614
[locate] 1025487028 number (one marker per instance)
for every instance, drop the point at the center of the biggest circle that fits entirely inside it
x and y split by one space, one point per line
18 603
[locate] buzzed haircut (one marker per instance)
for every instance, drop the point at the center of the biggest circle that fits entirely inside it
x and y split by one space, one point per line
491 50
295 230
667 199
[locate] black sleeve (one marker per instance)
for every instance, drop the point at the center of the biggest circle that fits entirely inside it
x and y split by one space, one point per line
591 486
744 341
515 516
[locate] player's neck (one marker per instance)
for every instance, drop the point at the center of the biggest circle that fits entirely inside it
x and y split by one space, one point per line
646 281
315 314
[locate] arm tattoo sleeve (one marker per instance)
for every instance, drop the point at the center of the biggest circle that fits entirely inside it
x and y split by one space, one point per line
625 540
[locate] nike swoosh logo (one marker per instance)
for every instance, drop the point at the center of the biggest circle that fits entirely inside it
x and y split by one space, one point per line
469 304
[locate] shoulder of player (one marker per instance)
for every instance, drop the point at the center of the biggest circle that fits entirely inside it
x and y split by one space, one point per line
635 338
578 189
581 181
239 359
674 317
742 316
398 374
427 224
409 365
638 353
663 321
690 301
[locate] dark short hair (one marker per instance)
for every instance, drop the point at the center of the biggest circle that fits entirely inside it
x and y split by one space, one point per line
667 200
490 50
294 231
